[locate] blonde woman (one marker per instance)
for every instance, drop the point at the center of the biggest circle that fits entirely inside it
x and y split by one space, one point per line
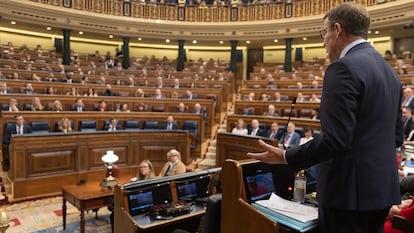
64 125
145 170
37 104
174 165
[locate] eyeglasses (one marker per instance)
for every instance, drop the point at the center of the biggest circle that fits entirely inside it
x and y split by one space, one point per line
323 32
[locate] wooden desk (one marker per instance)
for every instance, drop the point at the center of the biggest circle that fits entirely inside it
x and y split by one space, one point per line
189 222
85 197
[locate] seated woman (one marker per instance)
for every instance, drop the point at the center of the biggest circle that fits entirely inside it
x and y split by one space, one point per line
64 125
57 106
145 170
37 104
240 128
174 165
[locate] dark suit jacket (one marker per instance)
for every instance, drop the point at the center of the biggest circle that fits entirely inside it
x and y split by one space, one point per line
260 132
11 129
75 108
407 127
278 136
361 121
174 126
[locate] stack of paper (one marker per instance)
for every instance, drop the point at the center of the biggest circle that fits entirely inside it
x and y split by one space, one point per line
294 215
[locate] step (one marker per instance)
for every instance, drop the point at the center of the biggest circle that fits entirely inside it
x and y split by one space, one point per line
210 155
207 163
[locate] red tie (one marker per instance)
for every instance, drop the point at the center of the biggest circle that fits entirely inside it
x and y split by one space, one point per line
18 130
287 138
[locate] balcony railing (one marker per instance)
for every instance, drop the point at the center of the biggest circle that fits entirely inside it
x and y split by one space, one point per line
204 13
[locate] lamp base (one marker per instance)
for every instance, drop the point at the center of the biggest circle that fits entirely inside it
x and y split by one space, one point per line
4 227
109 182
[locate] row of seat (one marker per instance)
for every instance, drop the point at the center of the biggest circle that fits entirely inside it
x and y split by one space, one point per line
90 125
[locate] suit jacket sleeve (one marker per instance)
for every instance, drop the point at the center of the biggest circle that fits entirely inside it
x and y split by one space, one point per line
7 134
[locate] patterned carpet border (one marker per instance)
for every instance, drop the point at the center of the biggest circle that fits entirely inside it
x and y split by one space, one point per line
45 216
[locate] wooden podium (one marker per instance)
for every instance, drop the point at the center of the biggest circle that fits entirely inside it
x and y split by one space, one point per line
236 214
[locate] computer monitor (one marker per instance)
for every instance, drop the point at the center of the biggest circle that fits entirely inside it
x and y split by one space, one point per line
140 202
187 190
141 198
261 179
193 187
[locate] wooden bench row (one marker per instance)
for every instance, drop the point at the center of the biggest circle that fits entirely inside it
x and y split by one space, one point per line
127 93
169 106
260 107
124 82
289 93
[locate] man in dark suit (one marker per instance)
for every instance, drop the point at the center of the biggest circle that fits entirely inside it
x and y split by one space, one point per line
358 178
275 133
18 128
170 124
255 130
290 138
407 121
79 106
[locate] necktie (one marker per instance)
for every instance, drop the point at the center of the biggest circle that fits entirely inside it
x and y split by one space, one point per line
287 138
79 109
169 127
19 131
272 135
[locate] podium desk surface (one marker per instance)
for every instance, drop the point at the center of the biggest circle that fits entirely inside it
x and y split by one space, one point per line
145 222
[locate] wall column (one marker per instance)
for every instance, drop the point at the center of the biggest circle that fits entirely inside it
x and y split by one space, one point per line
181 55
233 57
66 47
125 52
288 55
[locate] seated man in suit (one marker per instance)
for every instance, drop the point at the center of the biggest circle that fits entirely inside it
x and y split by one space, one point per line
4 89
170 124
255 130
79 106
275 132
12 107
18 128
28 89
290 138
113 125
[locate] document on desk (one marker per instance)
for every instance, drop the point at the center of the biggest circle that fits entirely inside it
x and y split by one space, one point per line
295 215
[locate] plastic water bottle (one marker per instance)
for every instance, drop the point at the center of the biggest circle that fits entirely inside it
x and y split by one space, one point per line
299 189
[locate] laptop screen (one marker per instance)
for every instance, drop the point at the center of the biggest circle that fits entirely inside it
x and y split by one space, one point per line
260 186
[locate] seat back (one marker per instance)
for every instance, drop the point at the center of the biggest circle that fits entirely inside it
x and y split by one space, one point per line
131 124
39 126
192 127
87 126
212 218
156 108
150 124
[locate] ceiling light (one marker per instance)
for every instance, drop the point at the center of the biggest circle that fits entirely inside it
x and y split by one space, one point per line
48 28
194 42
13 22
139 38
376 32
247 41
80 33
304 38
111 36
221 42
167 41
275 40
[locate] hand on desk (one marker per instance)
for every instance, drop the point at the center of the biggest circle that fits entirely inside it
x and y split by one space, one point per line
272 154
396 209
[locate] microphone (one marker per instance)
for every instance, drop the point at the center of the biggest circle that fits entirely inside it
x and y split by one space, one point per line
292 106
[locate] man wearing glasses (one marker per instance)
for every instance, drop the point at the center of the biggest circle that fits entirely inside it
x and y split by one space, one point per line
360 115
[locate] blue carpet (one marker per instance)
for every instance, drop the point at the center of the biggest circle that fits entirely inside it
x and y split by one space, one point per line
100 225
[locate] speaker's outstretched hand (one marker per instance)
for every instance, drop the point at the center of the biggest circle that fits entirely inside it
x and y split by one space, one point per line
271 154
